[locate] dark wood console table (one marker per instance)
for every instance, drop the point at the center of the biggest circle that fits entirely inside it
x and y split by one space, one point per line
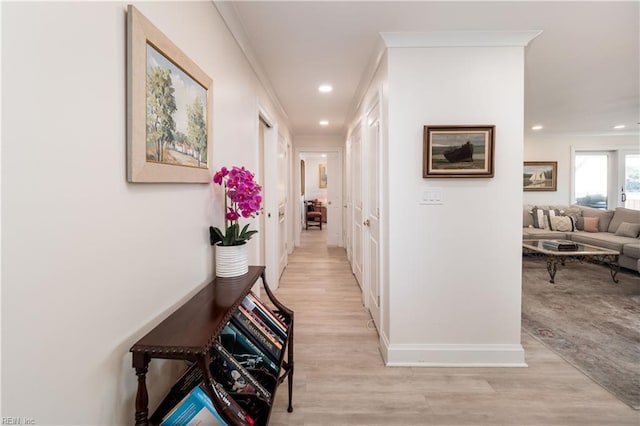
189 333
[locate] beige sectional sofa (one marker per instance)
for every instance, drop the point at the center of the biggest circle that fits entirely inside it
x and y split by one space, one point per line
617 229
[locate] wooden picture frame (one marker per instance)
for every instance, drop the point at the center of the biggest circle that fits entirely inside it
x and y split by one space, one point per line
540 176
458 151
322 175
169 109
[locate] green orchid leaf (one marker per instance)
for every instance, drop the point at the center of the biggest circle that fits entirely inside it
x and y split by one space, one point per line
215 235
249 234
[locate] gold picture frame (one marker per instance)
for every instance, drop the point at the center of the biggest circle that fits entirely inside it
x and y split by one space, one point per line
169 109
458 151
540 176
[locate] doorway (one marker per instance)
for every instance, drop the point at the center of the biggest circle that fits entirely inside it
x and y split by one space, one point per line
322 186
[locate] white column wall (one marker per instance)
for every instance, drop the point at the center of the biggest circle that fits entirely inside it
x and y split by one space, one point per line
90 262
455 268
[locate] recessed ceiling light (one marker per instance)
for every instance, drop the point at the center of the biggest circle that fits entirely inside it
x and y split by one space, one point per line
536 127
324 122
325 88
619 126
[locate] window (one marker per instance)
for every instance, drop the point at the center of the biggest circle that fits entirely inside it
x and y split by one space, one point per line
607 179
591 183
631 188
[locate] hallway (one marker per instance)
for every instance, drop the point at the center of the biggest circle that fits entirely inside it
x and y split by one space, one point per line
340 378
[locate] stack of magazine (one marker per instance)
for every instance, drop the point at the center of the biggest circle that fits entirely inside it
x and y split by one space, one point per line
245 365
559 245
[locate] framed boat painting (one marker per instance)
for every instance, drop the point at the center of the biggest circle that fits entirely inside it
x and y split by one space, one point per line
458 151
169 104
540 176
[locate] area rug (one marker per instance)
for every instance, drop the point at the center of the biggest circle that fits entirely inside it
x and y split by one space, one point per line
588 320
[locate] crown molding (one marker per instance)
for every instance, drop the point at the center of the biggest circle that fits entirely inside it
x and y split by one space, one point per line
460 38
229 15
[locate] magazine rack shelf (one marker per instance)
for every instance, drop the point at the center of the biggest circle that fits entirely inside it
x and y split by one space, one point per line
191 331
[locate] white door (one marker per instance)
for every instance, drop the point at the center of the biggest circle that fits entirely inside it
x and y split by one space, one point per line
261 180
269 235
334 187
283 175
371 213
356 207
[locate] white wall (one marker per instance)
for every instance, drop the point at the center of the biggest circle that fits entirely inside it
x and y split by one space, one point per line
312 188
91 262
558 148
455 268
318 141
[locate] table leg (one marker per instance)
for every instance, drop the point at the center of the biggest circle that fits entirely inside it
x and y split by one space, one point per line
290 360
614 267
141 364
552 267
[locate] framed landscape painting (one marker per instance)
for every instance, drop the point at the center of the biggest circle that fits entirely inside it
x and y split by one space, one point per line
169 101
540 176
458 151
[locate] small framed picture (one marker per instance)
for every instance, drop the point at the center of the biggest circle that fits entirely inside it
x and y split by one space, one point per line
458 151
322 175
540 176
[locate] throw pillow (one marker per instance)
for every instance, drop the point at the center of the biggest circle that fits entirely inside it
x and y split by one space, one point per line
562 223
626 229
541 217
622 215
573 212
591 224
604 217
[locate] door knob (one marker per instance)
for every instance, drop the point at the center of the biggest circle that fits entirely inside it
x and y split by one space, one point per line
366 222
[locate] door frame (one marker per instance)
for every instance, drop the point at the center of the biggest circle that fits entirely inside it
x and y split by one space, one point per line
298 210
269 235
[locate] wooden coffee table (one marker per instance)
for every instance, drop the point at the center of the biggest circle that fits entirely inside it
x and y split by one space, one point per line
583 252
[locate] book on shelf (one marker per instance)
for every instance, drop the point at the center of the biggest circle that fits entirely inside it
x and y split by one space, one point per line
254 304
233 376
231 406
256 334
182 390
270 333
245 351
196 409
191 378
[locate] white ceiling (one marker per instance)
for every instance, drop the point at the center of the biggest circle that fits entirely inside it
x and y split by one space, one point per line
581 74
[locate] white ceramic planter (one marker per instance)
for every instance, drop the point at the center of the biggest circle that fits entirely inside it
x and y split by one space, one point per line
231 261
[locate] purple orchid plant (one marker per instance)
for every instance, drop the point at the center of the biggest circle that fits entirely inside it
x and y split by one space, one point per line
242 199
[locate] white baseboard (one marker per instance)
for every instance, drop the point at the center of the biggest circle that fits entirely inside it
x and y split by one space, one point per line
452 355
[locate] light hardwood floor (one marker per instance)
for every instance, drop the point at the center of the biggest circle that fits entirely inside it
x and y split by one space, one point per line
340 378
